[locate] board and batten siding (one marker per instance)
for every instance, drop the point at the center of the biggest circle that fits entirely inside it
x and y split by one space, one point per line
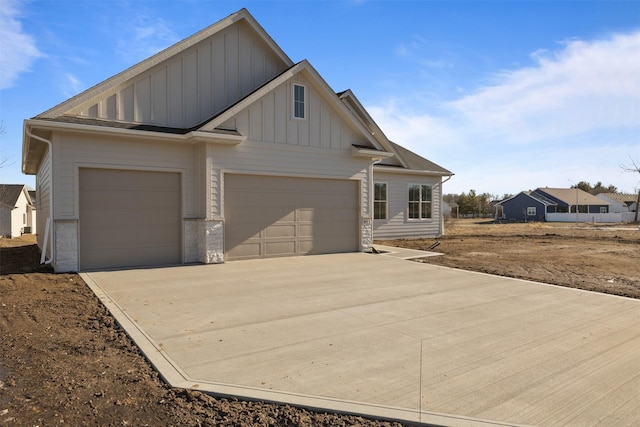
397 224
195 85
76 151
270 119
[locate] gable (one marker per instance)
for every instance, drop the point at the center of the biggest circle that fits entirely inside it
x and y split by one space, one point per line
10 193
267 115
187 83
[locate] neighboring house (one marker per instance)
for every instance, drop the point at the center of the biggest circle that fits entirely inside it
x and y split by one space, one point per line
34 201
619 202
220 148
17 210
553 204
524 206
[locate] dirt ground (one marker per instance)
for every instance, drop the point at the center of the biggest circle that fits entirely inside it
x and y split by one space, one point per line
65 361
601 258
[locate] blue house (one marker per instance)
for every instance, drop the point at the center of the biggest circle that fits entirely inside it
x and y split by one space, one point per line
537 204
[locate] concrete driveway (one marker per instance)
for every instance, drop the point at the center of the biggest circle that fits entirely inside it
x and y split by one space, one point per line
379 335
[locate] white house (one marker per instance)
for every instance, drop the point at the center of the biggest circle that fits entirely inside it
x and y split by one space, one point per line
619 202
17 211
220 148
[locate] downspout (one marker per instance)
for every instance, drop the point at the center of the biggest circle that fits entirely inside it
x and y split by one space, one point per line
49 225
441 199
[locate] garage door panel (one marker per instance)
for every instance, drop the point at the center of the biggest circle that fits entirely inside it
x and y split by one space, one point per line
129 218
281 216
280 248
280 231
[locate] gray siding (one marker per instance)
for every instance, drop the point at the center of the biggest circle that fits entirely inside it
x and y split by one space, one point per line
397 224
43 187
515 209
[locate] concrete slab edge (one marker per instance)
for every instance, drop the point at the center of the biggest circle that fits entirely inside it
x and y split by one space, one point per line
173 375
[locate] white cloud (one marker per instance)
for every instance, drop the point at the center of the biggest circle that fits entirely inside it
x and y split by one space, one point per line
70 85
17 49
574 114
586 86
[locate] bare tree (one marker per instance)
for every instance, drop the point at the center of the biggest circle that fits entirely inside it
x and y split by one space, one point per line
634 167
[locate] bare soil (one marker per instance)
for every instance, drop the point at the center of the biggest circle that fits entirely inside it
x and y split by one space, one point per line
65 361
596 258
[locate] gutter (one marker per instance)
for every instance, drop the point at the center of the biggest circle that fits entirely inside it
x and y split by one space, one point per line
48 228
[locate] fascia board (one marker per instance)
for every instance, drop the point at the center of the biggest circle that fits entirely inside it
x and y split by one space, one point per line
90 95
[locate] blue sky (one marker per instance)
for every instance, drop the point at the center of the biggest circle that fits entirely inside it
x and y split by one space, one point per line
509 95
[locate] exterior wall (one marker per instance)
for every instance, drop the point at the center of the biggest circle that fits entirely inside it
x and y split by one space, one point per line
44 188
195 85
614 205
74 151
397 224
19 217
515 209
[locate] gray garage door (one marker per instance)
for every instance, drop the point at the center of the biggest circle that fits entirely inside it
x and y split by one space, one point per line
281 216
129 218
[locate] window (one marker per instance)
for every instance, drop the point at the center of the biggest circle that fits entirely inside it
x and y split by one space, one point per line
419 201
380 200
298 101
603 209
531 211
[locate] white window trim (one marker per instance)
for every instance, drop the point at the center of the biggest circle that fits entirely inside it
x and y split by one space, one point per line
419 203
531 209
304 103
386 205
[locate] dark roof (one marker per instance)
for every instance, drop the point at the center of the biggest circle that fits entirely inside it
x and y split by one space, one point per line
130 126
417 162
9 193
32 194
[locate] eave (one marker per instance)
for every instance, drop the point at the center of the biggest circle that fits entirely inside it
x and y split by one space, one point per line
370 153
400 170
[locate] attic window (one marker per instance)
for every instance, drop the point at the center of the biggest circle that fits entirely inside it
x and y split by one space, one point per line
298 101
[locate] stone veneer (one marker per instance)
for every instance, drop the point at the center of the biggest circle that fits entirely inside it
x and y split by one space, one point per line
66 246
210 241
367 234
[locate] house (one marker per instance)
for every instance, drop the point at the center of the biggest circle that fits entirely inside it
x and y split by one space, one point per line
619 202
553 204
17 210
220 148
